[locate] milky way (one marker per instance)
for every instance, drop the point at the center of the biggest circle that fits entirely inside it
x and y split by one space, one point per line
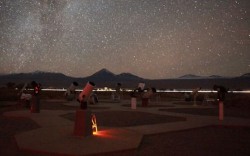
149 38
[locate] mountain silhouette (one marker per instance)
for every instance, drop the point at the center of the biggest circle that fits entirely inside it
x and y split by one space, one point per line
45 78
215 76
189 76
245 75
128 76
103 74
105 78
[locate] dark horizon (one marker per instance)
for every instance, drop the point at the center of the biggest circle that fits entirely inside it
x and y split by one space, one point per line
105 78
182 76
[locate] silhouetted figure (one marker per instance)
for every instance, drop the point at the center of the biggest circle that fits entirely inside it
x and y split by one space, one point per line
93 99
221 92
147 95
187 96
117 95
35 106
195 94
71 93
138 92
24 96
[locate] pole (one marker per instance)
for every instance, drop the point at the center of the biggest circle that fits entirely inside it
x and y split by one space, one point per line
221 110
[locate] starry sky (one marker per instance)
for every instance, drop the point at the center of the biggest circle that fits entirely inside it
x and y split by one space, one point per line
149 38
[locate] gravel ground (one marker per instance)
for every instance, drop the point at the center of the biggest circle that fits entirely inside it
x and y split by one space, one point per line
229 110
208 141
205 141
149 106
126 118
9 126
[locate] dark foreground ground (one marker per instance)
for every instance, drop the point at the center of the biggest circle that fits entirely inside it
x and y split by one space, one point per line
210 141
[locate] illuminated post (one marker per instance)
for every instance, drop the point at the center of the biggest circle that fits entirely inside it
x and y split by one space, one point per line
83 124
83 120
221 91
221 110
133 102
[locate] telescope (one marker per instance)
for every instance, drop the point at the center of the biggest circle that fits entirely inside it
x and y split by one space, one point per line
84 95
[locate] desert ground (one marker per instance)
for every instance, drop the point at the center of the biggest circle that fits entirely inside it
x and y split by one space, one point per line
208 140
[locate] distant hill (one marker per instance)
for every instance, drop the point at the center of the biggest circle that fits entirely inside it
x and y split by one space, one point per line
128 76
105 78
189 76
103 73
245 75
101 78
215 76
45 78
108 75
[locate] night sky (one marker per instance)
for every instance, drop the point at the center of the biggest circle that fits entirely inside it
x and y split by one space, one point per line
148 38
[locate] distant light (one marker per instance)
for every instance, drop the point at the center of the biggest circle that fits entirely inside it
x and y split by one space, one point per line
54 89
245 91
158 91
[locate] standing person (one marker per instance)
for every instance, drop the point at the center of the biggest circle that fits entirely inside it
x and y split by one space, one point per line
71 91
221 92
93 99
195 94
187 96
147 95
24 96
35 106
118 92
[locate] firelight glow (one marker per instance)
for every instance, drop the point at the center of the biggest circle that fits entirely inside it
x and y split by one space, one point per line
106 134
94 124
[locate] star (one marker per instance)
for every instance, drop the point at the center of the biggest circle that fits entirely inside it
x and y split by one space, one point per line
151 39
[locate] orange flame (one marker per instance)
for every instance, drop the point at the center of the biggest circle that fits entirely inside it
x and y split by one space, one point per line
94 124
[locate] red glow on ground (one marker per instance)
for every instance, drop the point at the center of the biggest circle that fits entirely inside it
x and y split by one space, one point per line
103 134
